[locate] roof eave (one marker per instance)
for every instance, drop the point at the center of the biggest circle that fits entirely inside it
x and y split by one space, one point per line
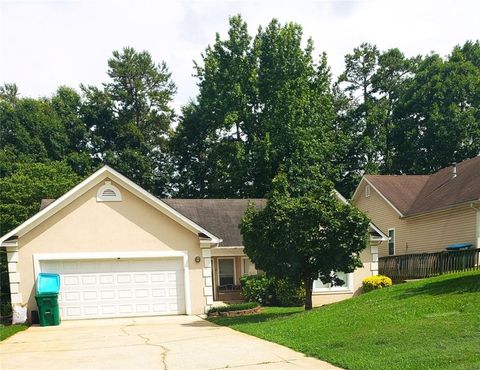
442 209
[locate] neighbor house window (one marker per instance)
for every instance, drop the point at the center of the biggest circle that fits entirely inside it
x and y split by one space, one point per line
367 191
248 268
391 242
226 272
347 286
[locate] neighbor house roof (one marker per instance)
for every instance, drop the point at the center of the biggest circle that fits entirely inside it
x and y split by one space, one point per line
415 194
442 190
221 217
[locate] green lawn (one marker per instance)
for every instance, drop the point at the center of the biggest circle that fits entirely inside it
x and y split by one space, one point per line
428 324
8 330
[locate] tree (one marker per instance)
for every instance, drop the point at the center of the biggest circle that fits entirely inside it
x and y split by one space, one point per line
264 102
22 191
130 118
357 79
438 113
304 238
67 104
30 131
9 93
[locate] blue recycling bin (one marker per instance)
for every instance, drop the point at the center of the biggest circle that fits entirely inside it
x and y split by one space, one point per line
463 259
48 286
459 246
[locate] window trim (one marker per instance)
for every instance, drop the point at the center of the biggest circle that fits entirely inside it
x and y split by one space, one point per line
348 288
234 269
243 265
394 241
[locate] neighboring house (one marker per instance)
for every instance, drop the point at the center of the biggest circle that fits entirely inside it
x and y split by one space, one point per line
122 252
424 213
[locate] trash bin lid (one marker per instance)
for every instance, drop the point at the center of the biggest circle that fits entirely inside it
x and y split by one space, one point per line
457 246
48 283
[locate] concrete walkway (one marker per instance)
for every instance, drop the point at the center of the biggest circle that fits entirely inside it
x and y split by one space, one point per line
173 342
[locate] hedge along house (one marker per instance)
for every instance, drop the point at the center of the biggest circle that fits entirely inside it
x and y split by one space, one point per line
122 252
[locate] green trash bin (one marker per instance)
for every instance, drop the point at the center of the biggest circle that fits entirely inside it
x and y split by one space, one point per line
48 286
48 310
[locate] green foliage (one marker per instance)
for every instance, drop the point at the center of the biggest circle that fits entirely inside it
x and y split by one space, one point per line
376 282
233 307
22 191
264 103
5 306
427 324
287 293
130 118
304 237
257 288
438 114
406 115
269 291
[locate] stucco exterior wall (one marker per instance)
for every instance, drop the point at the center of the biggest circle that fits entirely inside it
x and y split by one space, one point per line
131 225
421 234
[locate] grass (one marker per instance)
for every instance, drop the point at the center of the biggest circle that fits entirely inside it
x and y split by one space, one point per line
428 324
8 330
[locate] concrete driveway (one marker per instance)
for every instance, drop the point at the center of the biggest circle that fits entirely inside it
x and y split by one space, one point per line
173 342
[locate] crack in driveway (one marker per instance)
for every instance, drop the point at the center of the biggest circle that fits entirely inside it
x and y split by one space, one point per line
164 349
147 341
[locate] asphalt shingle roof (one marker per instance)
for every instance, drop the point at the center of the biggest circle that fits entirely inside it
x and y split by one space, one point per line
412 194
221 217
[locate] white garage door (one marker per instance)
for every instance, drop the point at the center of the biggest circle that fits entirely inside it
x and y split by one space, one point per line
119 288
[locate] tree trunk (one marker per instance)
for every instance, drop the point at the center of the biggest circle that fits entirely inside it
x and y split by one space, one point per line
308 282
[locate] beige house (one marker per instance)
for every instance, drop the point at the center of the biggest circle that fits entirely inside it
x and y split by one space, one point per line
122 252
424 213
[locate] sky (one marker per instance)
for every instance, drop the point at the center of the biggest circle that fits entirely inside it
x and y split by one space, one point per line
48 43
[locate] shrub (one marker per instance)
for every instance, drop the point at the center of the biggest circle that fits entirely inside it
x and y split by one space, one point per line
288 294
376 282
272 291
257 288
234 307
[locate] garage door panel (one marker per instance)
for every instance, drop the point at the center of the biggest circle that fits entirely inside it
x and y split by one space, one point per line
91 289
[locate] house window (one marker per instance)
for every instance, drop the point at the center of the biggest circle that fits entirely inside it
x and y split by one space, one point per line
226 272
108 193
367 191
391 242
347 286
248 268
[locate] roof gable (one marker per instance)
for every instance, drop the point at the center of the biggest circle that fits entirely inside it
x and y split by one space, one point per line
91 181
401 191
415 194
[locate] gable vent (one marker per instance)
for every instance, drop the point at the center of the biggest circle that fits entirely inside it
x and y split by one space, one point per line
108 193
367 191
